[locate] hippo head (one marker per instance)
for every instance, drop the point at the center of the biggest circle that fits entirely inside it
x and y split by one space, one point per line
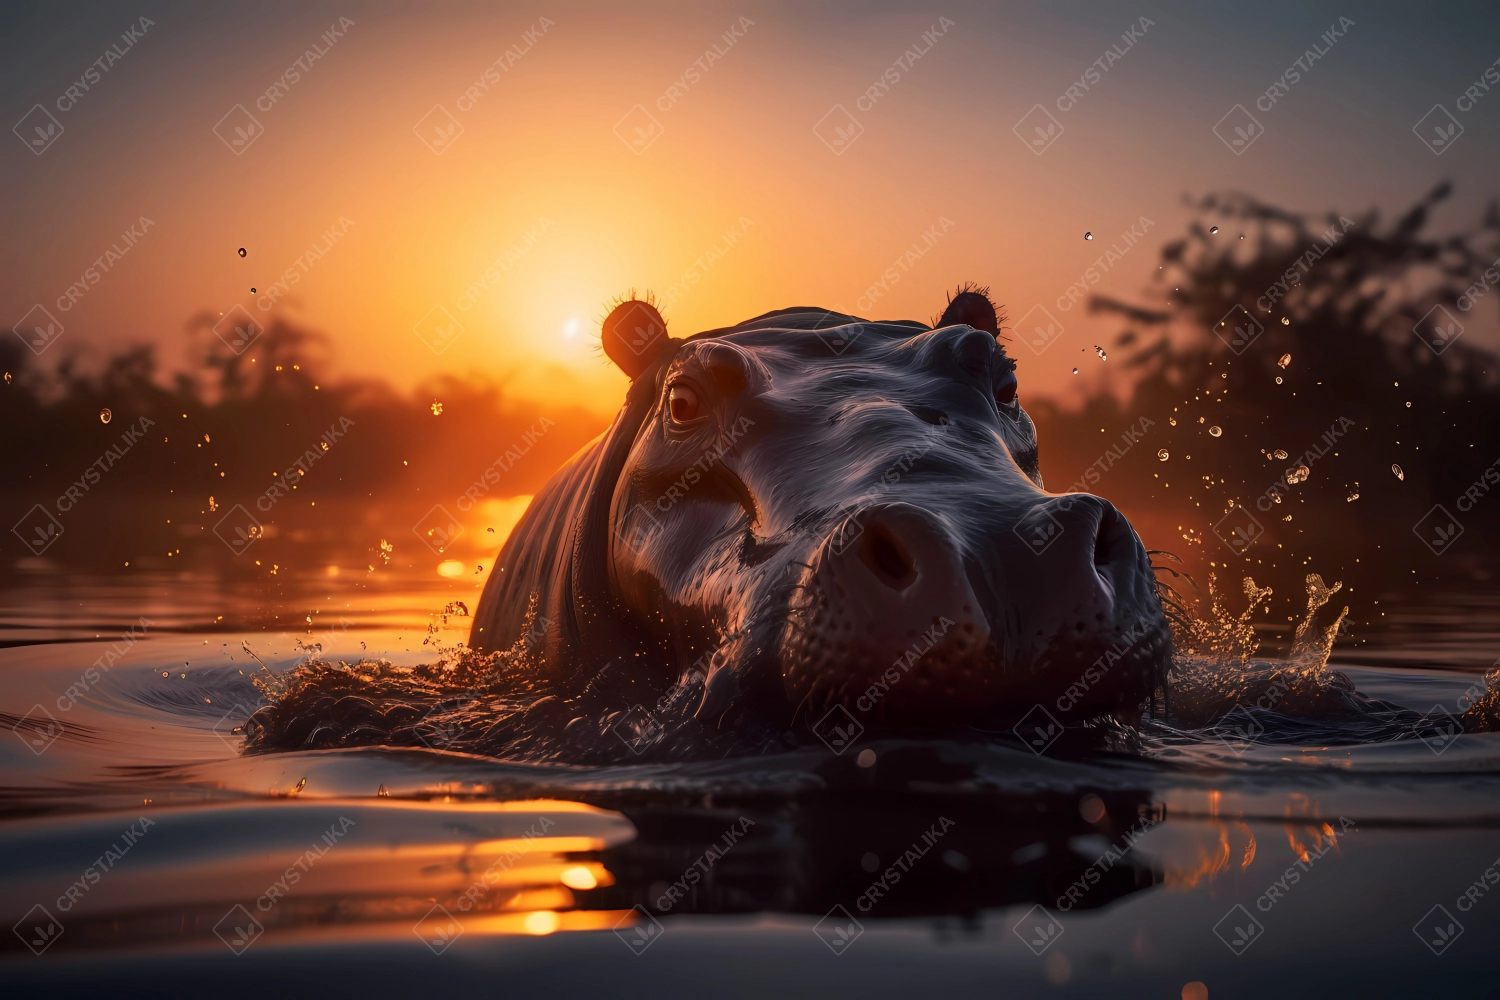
817 510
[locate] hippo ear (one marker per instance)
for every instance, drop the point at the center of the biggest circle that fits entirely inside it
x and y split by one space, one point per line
972 306
634 335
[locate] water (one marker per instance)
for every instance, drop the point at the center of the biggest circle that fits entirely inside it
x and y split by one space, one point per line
377 869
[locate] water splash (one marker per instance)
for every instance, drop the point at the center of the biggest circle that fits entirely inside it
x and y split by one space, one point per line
1215 674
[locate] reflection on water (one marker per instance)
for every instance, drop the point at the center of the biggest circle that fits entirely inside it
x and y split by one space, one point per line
140 838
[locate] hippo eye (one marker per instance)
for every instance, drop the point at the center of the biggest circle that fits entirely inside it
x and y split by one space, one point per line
1005 383
682 403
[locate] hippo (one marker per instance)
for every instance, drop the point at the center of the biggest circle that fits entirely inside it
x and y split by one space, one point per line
811 513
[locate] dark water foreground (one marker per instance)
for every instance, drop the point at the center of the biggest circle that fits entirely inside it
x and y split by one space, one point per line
142 854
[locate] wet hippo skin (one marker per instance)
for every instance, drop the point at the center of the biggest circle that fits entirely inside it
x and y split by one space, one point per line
812 510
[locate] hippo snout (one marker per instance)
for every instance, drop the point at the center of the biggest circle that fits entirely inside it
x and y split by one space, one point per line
889 588
922 618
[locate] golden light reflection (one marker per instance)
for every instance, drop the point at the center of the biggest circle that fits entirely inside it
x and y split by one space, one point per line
578 877
1212 859
542 922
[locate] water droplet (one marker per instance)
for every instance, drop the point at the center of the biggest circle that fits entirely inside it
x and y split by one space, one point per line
1285 321
1215 430
7 378
1284 360
383 792
1163 455
1088 236
1279 453
252 291
1075 371
1399 474
1408 404
1213 229
1102 355
1278 379
105 416
1353 494
242 251
213 504
1172 421
437 408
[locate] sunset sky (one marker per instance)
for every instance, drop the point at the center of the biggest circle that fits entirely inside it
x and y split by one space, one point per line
736 206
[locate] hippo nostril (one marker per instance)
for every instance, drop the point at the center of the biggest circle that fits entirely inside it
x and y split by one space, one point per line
887 558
